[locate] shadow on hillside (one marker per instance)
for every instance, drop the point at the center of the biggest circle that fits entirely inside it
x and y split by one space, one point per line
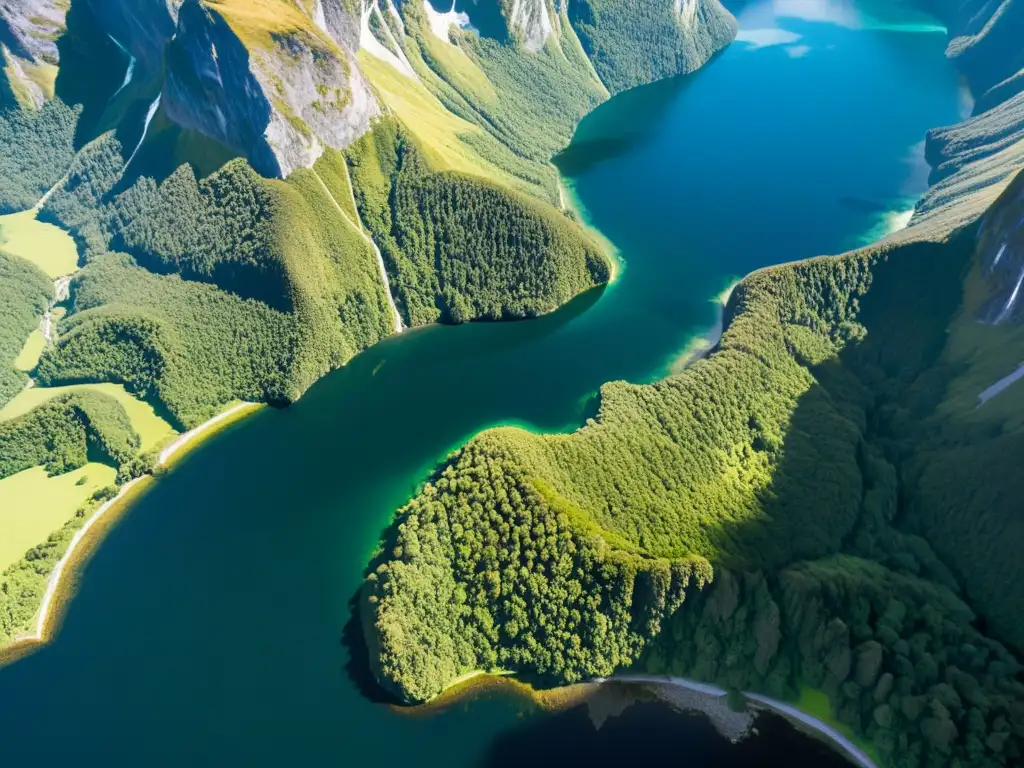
91 70
869 401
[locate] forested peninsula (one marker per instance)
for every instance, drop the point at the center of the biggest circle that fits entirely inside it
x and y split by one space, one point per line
210 202
826 505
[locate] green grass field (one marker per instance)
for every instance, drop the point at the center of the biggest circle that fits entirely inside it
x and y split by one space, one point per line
32 505
48 247
816 704
153 430
438 130
30 353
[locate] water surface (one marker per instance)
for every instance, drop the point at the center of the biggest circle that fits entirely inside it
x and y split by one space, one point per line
209 628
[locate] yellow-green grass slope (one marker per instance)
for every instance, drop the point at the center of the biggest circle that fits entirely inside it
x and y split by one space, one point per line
33 505
47 246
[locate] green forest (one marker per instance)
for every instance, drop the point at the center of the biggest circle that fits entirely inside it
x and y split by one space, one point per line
777 471
66 432
462 248
640 42
38 148
25 293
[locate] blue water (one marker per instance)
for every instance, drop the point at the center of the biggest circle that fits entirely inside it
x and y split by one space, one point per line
214 625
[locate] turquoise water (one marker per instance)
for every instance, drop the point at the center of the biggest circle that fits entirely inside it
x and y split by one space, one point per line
214 627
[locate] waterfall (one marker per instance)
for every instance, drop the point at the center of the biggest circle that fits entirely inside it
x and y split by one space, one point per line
1012 300
130 72
999 255
145 129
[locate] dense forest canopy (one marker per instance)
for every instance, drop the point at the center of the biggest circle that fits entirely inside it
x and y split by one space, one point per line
25 293
414 194
818 505
738 523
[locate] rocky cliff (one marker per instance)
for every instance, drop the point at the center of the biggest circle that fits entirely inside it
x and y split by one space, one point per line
277 88
1001 257
29 30
974 160
141 27
530 22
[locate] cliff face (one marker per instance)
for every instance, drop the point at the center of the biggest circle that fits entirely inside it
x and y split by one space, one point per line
29 28
1001 257
973 161
277 91
986 45
529 22
141 27
28 47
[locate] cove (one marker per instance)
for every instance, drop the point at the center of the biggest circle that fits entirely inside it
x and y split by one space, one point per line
214 624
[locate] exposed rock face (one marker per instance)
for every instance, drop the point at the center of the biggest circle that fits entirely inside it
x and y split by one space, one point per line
340 19
973 161
142 27
529 21
29 28
986 43
276 97
28 45
1001 254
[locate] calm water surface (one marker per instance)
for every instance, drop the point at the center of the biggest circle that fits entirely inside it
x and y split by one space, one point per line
208 629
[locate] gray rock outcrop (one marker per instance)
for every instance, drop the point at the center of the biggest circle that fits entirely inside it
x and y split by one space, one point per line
29 30
277 98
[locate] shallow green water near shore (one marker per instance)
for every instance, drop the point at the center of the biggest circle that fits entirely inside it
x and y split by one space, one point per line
214 626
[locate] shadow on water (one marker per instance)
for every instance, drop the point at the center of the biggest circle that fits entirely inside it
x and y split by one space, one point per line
651 733
357 667
610 132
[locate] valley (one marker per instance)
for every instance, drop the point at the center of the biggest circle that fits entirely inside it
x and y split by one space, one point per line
776 517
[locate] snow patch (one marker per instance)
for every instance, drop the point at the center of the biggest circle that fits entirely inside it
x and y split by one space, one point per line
130 72
1000 385
145 129
441 23
999 255
369 43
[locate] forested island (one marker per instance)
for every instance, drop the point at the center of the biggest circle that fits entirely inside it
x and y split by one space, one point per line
213 202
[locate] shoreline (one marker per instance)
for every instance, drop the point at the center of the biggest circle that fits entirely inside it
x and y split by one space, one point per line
791 713
567 696
59 585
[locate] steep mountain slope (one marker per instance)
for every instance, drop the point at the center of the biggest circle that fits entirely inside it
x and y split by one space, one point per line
260 189
824 471
971 160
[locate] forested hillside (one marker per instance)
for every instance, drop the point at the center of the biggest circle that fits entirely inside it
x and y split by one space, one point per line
256 287
827 505
259 191
569 557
